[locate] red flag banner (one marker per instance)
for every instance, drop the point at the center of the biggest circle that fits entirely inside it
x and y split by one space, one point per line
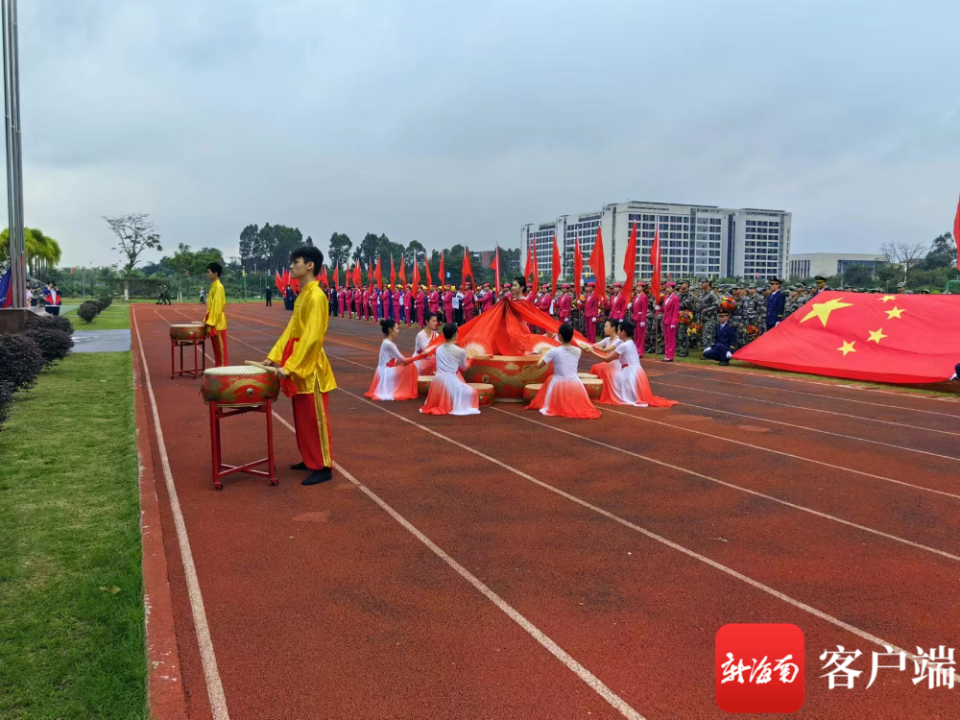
655 261
336 277
416 273
536 269
467 269
861 336
426 265
630 262
577 266
598 263
278 281
403 273
496 271
324 280
393 274
443 272
956 233
357 280
379 274
555 265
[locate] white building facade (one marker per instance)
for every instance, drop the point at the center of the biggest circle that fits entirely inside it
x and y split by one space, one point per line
695 240
829 264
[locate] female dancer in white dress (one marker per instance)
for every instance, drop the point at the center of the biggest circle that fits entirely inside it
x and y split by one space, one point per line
630 385
449 394
563 395
427 365
607 370
396 376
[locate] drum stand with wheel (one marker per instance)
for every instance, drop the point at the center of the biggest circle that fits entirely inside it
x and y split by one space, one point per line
220 470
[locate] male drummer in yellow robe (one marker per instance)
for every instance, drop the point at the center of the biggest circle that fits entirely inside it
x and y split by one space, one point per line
215 320
304 370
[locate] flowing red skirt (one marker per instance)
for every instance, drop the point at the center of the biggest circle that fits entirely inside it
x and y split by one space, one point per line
401 386
564 398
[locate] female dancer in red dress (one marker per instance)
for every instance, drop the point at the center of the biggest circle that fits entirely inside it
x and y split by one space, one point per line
449 394
563 395
630 385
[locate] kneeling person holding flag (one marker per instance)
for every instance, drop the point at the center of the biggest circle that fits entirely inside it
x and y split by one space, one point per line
304 370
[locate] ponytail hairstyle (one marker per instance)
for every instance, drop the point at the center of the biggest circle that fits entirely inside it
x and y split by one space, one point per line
449 331
387 325
628 328
566 332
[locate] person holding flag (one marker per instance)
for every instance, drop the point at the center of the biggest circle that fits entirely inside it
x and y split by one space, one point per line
216 319
305 374
467 302
420 300
433 300
671 316
638 313
591 310
487 298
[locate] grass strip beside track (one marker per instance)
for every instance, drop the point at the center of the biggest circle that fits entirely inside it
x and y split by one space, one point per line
71 593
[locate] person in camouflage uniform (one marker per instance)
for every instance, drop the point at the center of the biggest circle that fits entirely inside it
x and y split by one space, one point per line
687 302
653 332
740 314
708 305
793 302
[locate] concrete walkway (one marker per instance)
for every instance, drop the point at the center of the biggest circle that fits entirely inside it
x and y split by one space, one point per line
101 340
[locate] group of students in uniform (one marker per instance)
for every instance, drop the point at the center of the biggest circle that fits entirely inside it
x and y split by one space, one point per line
563 395
411 305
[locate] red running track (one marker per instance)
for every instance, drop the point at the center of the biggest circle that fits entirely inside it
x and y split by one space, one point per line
514 566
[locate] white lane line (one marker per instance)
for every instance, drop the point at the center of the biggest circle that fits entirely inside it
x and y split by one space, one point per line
816 395
559 653
728 440
809 409
863 634
807 427
768 376
218 701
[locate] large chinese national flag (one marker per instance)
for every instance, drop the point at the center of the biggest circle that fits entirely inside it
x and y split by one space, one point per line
883 338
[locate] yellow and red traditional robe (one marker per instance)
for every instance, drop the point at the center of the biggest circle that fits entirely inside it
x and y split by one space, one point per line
216 322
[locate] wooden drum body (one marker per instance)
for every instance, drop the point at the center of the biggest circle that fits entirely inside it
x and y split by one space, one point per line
188 332
508 374
530 391
423 385
239 386
485 390
594 387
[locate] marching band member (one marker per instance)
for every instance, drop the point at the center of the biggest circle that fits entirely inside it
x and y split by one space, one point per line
408 305
591 309
448 315
639 317
671 316
399 380
215 320
303 367
427 365
449 393
630 385
563 395
564 304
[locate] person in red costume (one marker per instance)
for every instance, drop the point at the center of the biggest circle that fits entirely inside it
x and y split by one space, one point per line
545 302
671 316
433 300
487 298
448 304
408 305
618 305
639 315
395 314
467 304
420 300
591 309
564 304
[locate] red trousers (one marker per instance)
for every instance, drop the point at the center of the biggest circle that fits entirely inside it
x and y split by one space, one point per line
669 341
640 338
312 423
590 329
219 342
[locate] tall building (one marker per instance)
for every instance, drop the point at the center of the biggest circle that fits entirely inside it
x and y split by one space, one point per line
695 240
830 264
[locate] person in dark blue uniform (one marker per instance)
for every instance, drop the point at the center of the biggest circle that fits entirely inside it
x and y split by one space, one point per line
726 342
776 304
288 299
334 302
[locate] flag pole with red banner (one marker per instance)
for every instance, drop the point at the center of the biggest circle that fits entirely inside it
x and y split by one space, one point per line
555 265
630 263
467 270
577 266
443 272
956 233
598 263
496 271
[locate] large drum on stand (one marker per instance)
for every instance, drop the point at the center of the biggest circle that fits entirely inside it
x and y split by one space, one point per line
237 390
508 374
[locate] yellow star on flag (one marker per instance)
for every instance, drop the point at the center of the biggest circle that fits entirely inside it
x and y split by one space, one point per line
888 297
876 336
823 310
847 347
895 313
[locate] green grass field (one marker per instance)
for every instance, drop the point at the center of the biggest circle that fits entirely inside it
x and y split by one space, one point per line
115 317
71 594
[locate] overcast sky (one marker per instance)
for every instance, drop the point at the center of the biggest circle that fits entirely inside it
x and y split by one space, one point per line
456 122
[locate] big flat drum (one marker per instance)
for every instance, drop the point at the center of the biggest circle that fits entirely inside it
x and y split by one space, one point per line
239 386
530 391
423 385
188 332
485 390
594 386
508 374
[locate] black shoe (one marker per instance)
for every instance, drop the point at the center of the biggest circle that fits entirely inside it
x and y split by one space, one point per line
318 476
724 363
299 466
